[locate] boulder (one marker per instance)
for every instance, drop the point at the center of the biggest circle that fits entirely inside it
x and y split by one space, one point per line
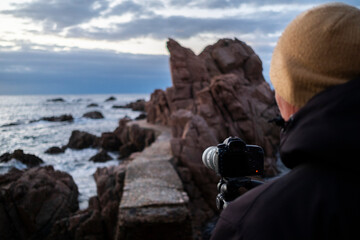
112 98
93 115
61 118
55 100
29 160
141 116
32 201
99 220
133 139
109 185
101 156
138 105
109 141
81 140
92 105
55 150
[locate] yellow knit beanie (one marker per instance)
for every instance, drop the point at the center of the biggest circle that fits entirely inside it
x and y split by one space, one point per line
320 48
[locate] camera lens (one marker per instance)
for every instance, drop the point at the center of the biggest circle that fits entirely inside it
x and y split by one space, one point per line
210 158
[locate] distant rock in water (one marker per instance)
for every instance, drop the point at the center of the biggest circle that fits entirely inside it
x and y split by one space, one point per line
29 160
109 141
92 105
33 200
55 150
112 98
81 140
61 118
102 156
93 115
141 116
133 138
56 100
138 105
11 124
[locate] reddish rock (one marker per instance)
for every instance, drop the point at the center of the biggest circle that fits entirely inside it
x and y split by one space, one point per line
81 140
99 220
219 93
158 110
93 115
109 141
138 105
101 156
32 201
109 183
133 138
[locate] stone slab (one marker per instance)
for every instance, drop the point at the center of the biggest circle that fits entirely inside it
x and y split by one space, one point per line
153 203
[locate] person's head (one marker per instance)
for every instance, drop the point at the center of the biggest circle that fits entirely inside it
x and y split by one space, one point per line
319 49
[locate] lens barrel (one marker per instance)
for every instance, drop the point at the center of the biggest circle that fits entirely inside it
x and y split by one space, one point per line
210 158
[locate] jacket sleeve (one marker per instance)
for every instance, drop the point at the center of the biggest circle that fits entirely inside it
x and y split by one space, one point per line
224 230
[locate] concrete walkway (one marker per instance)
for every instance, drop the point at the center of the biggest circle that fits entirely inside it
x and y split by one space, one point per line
154 204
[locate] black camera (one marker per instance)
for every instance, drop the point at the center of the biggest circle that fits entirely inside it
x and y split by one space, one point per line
234 158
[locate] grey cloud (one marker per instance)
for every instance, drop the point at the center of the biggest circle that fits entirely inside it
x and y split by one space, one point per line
159 27
236 3
130 7
63 13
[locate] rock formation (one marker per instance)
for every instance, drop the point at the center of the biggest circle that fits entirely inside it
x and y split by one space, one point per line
81 140
61 118
29 160
98 221
219 93
32 201
112 98
101 156
55 100
55 150
93 115
138 105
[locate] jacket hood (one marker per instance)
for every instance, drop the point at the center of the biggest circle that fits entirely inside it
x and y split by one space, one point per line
326 130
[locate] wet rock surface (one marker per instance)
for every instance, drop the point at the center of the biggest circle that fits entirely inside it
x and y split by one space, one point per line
99 220
55 150
29 160
138 105
101 156
55 100
31 201
61 118
81 140
93 115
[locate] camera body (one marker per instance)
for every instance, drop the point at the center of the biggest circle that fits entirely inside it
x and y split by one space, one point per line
234 158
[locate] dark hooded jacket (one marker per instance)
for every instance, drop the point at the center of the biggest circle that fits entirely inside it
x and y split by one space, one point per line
320 197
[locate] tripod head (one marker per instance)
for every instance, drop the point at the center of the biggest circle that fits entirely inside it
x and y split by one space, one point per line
231 188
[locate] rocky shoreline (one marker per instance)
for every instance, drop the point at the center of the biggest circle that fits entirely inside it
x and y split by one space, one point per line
161 189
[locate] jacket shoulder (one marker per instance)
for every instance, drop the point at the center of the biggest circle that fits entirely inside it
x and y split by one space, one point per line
308 202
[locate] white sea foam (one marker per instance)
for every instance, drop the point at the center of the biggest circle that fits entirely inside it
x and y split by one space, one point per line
36 137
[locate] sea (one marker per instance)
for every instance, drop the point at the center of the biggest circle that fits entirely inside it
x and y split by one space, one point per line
20 129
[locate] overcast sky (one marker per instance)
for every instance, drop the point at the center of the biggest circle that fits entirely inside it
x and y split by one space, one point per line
117 46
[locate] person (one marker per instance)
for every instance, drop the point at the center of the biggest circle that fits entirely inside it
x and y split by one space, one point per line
315 71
